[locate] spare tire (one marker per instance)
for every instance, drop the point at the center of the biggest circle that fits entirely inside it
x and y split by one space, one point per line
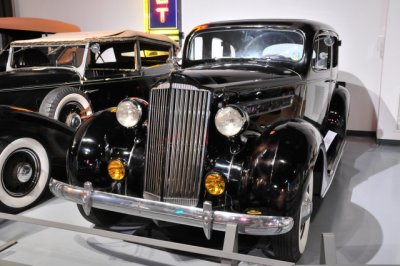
66 104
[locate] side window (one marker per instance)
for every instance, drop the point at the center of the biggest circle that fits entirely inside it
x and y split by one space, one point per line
196 53
322 53
216 48
107 56
119 55
220 49
153 54
71 56
207 48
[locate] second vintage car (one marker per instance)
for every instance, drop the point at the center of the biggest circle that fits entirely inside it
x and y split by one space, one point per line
69 75
247 131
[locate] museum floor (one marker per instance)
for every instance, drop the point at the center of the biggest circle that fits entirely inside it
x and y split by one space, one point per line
361 209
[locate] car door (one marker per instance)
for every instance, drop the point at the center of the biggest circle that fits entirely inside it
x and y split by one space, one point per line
111 72
320 81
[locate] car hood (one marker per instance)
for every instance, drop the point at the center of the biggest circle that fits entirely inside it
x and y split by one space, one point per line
222 76
36 76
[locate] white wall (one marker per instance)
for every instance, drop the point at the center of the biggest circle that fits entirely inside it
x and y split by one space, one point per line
360 23
90 15
389 113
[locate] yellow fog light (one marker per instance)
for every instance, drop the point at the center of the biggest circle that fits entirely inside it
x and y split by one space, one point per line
215 184
254 212
116 170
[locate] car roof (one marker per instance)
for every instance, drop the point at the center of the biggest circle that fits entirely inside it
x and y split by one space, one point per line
92 36
308 26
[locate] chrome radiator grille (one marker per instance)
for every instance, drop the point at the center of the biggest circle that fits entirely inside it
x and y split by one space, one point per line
177 128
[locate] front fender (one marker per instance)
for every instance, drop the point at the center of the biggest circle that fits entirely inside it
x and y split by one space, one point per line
97 141
53 135
280 166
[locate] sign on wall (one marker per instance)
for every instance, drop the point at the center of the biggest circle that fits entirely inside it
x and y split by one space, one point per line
163 17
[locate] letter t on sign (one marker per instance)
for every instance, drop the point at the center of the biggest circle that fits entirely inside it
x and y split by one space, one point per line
162 10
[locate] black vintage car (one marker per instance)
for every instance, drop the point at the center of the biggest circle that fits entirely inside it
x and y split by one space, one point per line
69 75
247 131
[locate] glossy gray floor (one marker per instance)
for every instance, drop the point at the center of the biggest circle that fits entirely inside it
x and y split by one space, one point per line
361 209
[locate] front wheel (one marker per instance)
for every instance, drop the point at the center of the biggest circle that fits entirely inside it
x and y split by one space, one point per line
66 104
291 246
24 174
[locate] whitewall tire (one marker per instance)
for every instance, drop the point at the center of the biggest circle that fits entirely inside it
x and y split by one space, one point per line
291 246
305 226
25 172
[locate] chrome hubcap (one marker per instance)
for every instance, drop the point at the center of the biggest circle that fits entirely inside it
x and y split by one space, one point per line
73 120
24 172
20 172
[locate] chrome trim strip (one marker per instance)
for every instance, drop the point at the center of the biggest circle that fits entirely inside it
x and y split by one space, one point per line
187 215
41 87
271 101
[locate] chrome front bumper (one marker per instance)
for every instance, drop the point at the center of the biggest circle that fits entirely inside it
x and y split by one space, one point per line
204 218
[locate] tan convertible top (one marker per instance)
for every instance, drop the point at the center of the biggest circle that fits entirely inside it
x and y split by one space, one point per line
84 37
36 24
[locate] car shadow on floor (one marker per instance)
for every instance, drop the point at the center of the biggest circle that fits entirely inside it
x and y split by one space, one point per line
358 234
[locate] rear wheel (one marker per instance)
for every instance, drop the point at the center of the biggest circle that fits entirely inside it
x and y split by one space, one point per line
24 174
101 218
291 246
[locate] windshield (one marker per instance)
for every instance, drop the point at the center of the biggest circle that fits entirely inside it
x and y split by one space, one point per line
48 56
248 43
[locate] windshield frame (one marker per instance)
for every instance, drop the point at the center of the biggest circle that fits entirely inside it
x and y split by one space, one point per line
188 46
80 69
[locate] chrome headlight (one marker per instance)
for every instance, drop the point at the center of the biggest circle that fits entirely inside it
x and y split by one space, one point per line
231 120
129 113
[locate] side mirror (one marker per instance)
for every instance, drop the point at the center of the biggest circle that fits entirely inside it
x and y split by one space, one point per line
95 48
